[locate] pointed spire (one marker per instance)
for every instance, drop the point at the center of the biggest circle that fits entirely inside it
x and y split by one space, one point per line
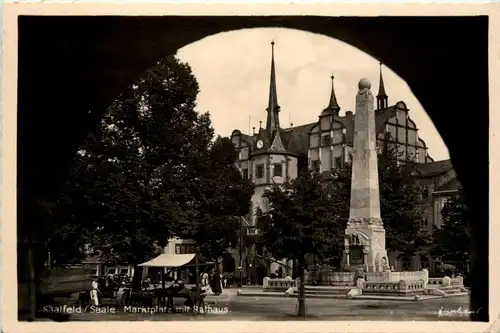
334 105
273 106
381 87
382 96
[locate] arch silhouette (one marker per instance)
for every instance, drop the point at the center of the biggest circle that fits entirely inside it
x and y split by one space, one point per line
82 63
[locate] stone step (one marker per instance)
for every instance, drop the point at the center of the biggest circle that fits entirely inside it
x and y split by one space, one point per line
448 292
451 287
457 294
328 289
319 292
325 291
321 296
260 293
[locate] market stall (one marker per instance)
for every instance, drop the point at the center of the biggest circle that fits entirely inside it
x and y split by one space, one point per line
194 296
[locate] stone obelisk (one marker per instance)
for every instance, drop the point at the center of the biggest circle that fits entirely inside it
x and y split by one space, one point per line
364 228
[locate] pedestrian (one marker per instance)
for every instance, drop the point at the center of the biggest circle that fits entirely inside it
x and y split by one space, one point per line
94 293
360 274
217 284
279 272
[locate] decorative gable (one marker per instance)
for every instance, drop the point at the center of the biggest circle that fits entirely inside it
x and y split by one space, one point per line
277 145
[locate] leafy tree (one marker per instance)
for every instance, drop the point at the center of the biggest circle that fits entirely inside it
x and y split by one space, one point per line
130 179
301 221
452 242
400 198
218 196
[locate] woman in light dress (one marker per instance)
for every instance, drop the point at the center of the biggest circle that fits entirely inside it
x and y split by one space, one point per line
94 293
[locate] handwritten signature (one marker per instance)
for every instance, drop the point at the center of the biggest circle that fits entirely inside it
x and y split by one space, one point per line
442 312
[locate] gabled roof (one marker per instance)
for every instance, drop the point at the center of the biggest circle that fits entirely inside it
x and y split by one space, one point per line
433 168
295 140
453 184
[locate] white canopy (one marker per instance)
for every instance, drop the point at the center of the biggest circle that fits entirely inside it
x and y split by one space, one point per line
169 260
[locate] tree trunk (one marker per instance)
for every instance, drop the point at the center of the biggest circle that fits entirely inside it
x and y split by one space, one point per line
294 268
31 259
302 297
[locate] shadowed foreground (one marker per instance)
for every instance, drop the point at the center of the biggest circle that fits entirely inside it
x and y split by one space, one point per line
270 308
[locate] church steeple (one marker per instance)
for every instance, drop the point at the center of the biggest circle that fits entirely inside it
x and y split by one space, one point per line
273 108
333 104
382 98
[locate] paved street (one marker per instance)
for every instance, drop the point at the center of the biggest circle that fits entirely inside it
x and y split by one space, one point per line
270 308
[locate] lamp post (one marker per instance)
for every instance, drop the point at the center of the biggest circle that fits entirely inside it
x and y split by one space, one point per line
241 250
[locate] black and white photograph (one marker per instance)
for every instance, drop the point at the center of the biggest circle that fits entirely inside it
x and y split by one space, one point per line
197 167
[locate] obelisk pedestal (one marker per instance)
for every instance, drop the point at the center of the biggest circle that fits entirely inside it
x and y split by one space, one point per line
364 228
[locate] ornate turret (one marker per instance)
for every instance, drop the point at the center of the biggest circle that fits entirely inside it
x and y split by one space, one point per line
382 98
333 106
273 108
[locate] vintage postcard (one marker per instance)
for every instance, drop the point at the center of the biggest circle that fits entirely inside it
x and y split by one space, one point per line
250 167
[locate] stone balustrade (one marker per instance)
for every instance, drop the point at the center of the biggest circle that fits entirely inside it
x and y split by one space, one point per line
331 278
401 287
457 281
435 281
446 281
278 284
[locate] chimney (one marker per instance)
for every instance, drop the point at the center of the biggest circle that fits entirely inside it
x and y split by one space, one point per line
349 114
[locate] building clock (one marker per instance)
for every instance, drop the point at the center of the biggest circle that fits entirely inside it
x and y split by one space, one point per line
260 144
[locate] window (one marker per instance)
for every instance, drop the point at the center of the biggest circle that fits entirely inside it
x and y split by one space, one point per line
278 170
184 248
315 165
338 162
124 271
244 173
425 193
93 272
112 270
260 171
327 140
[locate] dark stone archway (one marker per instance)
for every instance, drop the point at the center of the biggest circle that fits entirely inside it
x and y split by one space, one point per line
71 68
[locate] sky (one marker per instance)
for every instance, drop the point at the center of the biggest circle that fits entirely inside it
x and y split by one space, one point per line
233 71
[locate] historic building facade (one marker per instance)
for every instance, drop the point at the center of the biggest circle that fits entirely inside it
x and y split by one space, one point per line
275 154
439 184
